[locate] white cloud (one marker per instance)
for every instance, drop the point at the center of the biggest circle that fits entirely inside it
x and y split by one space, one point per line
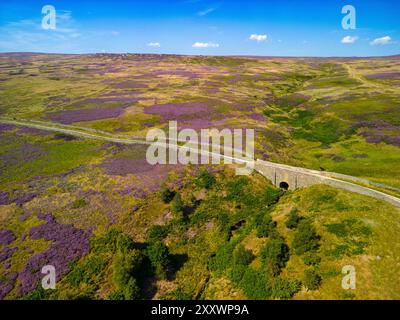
205 12
381 41
349 39
154 44
258 37
205 45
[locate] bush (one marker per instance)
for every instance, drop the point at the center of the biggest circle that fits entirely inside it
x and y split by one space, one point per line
166 194
242 256
177 204
311 258
116 295
124 243
285 288
293 219
80 203
205 180
125 265
157 233
255 284
266 227
237 273
274 255
159 258
312 280
131 290
306 238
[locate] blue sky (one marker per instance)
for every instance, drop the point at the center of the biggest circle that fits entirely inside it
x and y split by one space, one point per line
269 27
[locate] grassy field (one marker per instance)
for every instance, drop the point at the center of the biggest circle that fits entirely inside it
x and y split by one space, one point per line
118 228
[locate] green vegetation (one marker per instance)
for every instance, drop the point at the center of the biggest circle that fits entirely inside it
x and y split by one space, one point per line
205 233
306 239
293 219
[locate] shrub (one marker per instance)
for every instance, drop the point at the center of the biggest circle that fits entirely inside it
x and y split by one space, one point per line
255 284
166 194
125 265
285 288
312 279
236 188
311 258
124 243
242 256
131 290
205 180
306 238
116 295
80 203
179 294
177 204
159 258
293 219
237 272
274 255
157 233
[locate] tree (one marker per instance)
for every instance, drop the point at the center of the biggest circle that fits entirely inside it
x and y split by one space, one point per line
306 238
312 279
266 227
293 219
131 290
166 194
285 288
125 265
159 258
274 255
177 205
242 256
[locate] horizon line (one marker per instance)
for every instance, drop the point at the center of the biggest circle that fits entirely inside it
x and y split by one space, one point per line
201 55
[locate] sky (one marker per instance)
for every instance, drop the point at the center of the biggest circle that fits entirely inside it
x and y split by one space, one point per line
202 27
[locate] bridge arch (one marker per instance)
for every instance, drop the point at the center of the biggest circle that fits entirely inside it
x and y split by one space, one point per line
284 185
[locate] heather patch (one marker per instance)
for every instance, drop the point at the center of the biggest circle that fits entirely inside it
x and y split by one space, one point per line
78 115
376 131
384 76
130 84
256 116
177 72
7 282
124 166
34 131
110 100
68 244
5 198
6 253
186 110
22 153
6 237
6 127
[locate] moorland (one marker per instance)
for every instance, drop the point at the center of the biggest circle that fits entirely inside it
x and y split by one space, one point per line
116 227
